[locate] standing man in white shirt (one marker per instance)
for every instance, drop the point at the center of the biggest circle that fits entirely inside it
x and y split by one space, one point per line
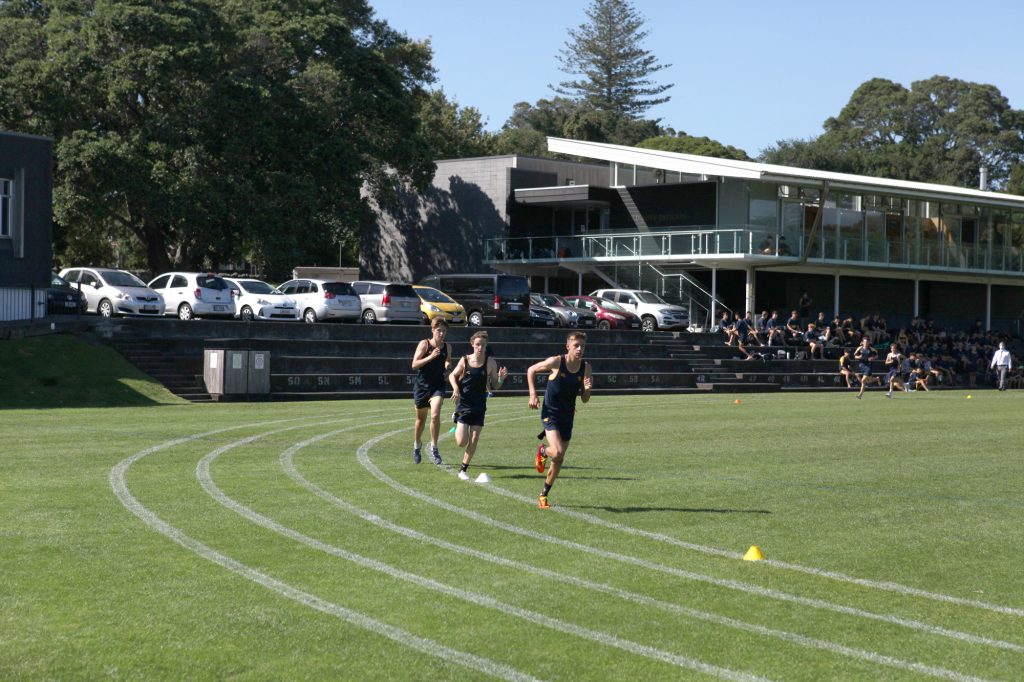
1003 363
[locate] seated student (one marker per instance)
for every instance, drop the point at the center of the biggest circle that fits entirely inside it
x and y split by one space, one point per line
846 367
727 327
767 247
775 329
784 247
918 372
794 331
761 326
812 339
745 333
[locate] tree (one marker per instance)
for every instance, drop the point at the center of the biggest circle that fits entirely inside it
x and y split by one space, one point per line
687 144
941 130
201 131
613 69
452 132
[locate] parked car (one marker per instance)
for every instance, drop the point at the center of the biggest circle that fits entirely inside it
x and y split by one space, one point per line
434 303
610 315
110 292
542 316
654 312
487 298
387 302
195 294
257 300
322 300
62 298
567 315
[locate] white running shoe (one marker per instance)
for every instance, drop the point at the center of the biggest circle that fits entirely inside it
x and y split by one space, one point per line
463 476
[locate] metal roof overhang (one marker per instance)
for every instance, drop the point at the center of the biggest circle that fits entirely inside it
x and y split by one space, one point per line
564 196
727 168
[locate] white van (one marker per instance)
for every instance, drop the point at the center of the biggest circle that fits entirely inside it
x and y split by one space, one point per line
653 311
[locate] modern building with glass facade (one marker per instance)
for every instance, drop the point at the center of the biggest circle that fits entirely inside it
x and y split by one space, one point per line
713 233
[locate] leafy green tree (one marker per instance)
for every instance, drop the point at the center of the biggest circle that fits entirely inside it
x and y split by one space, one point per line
941 130
613 69
451 131
194 132
687 144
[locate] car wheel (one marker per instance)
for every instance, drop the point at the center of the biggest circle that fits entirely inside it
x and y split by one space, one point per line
369 317
649 324
185 312
309 316
246 314
604 324
105 308
476 319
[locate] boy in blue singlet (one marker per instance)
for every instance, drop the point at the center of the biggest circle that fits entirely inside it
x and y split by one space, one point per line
431 359
569 376
472 380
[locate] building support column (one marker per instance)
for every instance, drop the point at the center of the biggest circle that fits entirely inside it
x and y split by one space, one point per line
546 285
835 301
714 295
750 290
579 283
917 297
988 306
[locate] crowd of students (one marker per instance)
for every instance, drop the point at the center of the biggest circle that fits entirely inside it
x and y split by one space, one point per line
927 353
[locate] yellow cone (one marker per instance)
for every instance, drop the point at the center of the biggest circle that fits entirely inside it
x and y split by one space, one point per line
969 397
754 554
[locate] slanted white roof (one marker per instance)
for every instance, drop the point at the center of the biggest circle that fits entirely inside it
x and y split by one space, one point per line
750 170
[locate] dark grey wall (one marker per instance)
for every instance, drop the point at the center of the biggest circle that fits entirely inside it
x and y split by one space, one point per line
28 158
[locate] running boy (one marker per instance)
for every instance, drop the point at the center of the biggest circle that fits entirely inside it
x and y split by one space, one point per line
473 378
569 376
431 359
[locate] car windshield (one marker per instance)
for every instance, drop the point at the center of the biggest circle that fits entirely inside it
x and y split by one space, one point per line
648 297
512 286
339 288
58 281
612 306
211 282
255 286
121 279
433 295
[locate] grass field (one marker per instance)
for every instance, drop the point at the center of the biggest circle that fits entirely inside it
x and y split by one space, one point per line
299 541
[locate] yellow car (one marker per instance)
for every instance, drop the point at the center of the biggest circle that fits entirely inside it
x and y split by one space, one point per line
434 303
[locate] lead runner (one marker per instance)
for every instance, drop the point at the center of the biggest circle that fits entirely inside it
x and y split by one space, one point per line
569 377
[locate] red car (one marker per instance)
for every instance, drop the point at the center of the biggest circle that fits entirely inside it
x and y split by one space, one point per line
610 315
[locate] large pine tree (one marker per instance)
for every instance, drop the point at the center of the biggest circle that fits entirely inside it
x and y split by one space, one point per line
607 56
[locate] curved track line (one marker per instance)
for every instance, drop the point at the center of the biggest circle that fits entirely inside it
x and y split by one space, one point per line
364 459
288 464
206 481
430 647
774 563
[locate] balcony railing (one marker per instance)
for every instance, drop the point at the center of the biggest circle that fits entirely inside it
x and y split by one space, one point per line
753 240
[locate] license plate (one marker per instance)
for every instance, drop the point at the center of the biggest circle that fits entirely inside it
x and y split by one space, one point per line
218 308
550 323
515 306
149 308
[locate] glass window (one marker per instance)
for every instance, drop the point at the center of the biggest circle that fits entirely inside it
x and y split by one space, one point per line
6 187
512 286
764 206
122 279
160 282
339 288
178 281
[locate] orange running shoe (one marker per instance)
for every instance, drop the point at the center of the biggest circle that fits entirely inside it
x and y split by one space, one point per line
542 458
542 503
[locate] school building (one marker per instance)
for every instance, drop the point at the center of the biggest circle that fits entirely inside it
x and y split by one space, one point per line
714 233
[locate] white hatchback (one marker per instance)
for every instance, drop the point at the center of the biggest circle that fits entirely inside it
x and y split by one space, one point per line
257 300
321 300
195 294
110 292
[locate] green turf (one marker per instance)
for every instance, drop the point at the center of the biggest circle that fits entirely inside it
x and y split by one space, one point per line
923 491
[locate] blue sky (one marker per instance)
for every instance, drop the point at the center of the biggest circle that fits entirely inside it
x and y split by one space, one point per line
746 73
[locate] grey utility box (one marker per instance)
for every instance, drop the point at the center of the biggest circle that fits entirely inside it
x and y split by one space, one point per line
236 372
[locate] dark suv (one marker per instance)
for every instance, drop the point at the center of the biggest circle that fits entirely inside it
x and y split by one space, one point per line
488 299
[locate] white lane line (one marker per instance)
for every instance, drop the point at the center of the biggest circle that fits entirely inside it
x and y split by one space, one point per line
118 476
287 461
773 563
364 459
206 481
